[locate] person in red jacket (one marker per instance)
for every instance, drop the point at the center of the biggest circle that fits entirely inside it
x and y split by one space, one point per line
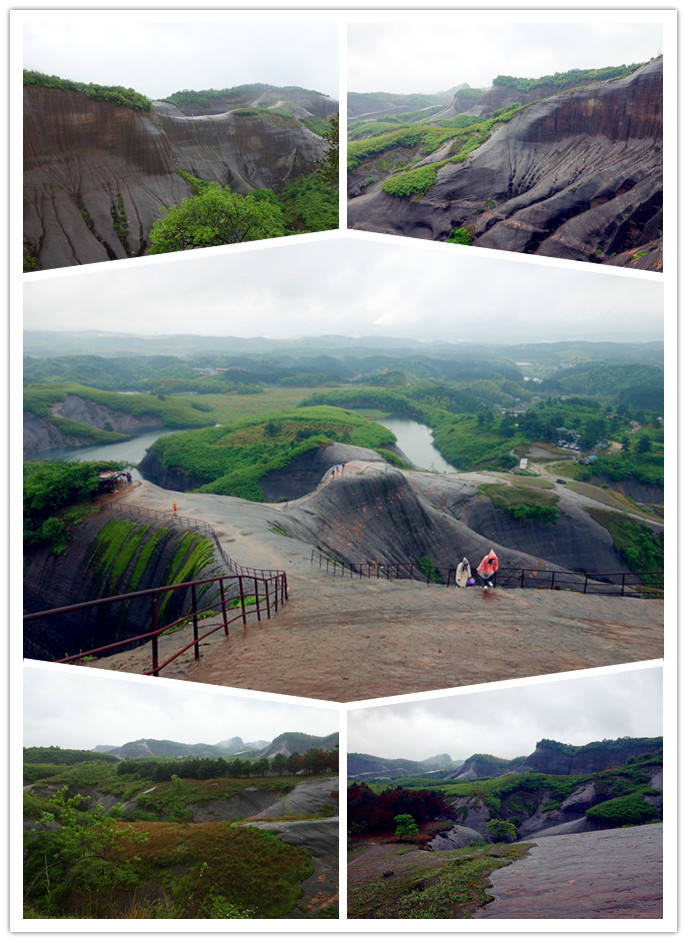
488 568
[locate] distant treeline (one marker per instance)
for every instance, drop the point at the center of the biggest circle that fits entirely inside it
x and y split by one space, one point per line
561 79
652 743
115 93
312 762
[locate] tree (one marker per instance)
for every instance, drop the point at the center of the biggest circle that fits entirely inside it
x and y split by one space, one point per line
498 830
643 445
216 216
73 850
406 826
327 171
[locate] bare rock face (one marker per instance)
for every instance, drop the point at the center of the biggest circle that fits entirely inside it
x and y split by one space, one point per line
552 758
41 433
97 175
577 175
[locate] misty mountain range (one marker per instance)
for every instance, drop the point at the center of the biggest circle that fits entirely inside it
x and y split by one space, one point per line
284 744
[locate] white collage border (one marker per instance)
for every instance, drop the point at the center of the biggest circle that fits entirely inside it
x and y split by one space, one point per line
281 12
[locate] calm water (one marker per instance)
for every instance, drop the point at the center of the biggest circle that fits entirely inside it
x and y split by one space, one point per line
417 443
131 451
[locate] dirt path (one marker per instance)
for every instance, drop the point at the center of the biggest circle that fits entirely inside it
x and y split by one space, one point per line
614 874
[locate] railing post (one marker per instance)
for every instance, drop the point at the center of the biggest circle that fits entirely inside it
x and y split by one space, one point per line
224 608
267 597
257 597
522 578
242 596
196 648
622 585
584 590
156 661
553 578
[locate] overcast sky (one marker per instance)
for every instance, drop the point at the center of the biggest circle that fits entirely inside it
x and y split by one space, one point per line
146 52
437 53
509 722
355 287
81 709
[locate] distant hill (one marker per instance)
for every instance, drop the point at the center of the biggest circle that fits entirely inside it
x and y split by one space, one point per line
361 766
287 744
550 757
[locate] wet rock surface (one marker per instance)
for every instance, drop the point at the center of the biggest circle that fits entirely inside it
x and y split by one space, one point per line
615 874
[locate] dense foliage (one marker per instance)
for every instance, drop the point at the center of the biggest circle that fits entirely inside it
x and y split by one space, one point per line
51 491
159 769
215 216
640 546
368 811
126 97
327 171
237 94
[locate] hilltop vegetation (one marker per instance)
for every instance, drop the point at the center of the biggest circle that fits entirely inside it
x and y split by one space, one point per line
126 97
232 459
563 79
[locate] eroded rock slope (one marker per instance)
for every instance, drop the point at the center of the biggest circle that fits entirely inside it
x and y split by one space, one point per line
576 175
97 174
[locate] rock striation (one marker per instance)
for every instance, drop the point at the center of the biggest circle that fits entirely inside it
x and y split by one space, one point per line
577 175
97 175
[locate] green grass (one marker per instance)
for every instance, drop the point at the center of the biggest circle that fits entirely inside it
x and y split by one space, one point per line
173 411
442 885
640 546
523 502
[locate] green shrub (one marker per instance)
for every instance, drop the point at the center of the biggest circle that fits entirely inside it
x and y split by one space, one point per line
628 809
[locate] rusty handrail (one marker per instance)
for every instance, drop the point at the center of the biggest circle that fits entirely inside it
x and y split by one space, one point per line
506 578
272 590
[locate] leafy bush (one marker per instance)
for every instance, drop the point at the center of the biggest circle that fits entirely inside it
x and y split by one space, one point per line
461 236
627 809
216 216
499 830
413 182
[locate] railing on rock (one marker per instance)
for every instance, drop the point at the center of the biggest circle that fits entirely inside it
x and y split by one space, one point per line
255 595
598 583
257 592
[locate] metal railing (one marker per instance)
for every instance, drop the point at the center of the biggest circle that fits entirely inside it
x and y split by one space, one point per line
599 583
261 596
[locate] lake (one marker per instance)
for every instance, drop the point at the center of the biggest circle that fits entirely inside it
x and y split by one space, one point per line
131 451
417 443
